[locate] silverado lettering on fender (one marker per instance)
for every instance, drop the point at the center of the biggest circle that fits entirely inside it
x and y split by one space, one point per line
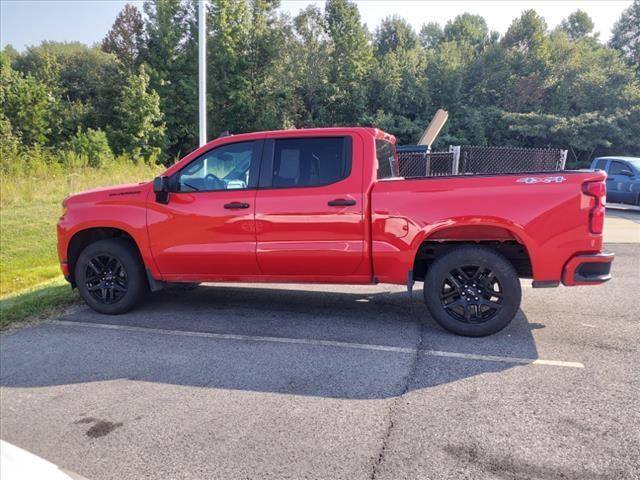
324 206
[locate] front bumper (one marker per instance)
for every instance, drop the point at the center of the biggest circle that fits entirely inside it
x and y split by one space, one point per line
588 269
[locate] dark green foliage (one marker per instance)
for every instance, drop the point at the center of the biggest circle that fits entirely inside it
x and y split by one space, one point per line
577 25
26 106
626 35
171 56
138 128
126 37
530 87
93 144
393 34
431 35
350 63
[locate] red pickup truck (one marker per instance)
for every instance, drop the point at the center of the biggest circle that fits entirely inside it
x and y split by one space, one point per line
326 206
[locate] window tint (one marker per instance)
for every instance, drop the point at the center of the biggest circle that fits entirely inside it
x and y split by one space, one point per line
387 160
309 162
616 167
600 164
223 168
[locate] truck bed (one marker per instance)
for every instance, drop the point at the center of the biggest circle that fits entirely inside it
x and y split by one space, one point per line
547 213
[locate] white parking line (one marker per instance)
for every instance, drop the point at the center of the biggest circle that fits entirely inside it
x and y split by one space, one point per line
321 343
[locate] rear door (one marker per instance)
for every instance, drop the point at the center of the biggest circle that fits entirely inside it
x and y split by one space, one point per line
309 208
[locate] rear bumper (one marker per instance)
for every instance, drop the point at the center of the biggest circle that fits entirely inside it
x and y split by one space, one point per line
591 269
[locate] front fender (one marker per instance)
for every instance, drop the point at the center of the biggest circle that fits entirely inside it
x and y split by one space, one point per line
130 218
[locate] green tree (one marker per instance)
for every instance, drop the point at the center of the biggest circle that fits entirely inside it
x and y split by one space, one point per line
398 96
125 39
431 35
526 42
84 84
394 34
577 25
139 129
350 62
625 36
26 105
308 55
468 28
526 33
170 55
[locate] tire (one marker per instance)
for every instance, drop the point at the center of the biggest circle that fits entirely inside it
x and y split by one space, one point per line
472 291
110 276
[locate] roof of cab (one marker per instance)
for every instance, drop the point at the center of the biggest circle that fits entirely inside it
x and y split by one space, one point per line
294 132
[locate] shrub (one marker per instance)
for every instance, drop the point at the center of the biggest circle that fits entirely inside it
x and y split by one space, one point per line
9 148
92 144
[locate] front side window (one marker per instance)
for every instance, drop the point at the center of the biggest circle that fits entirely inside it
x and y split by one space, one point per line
616 167
387 159
224 168
310 162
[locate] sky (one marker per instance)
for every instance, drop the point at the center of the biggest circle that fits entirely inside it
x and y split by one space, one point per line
28 22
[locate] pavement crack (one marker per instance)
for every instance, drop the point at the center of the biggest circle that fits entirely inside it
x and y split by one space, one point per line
406 384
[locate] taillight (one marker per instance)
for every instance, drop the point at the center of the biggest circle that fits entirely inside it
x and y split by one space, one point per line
598 191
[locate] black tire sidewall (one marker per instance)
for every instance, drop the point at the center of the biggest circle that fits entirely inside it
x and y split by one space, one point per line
125 252
483 257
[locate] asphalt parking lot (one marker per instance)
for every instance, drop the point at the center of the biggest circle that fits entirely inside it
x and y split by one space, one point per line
260 381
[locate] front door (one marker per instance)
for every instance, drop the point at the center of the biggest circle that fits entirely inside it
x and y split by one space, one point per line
309 208
618 184
207 230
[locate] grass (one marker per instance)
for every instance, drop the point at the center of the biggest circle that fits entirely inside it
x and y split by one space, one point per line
30 279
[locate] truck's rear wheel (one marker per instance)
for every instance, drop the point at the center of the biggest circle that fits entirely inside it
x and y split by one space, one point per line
472 291
110 276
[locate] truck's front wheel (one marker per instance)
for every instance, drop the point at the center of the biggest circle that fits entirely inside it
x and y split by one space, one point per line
110 276
472 291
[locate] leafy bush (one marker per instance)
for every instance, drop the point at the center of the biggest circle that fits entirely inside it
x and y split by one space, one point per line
93 145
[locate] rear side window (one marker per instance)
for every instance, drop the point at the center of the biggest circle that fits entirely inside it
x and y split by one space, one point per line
387 159
600 164
310 162
616 167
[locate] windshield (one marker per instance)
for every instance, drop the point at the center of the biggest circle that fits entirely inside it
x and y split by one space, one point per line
387 159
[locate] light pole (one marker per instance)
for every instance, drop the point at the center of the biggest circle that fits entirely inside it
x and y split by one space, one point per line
202 69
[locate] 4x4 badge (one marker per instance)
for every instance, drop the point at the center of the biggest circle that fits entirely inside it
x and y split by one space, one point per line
532 180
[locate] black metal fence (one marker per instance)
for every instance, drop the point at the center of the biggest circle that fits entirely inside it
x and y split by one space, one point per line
470 160
422 164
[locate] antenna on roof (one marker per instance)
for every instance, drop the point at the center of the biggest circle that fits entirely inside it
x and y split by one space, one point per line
224 134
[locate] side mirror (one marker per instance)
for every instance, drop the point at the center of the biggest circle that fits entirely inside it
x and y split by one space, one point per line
628 173
161 189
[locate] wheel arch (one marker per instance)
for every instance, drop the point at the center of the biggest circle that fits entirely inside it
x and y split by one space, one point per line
501 236
85 237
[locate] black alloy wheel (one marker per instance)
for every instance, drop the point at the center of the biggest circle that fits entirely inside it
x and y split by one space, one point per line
110 276
471 294
472 290
106 279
